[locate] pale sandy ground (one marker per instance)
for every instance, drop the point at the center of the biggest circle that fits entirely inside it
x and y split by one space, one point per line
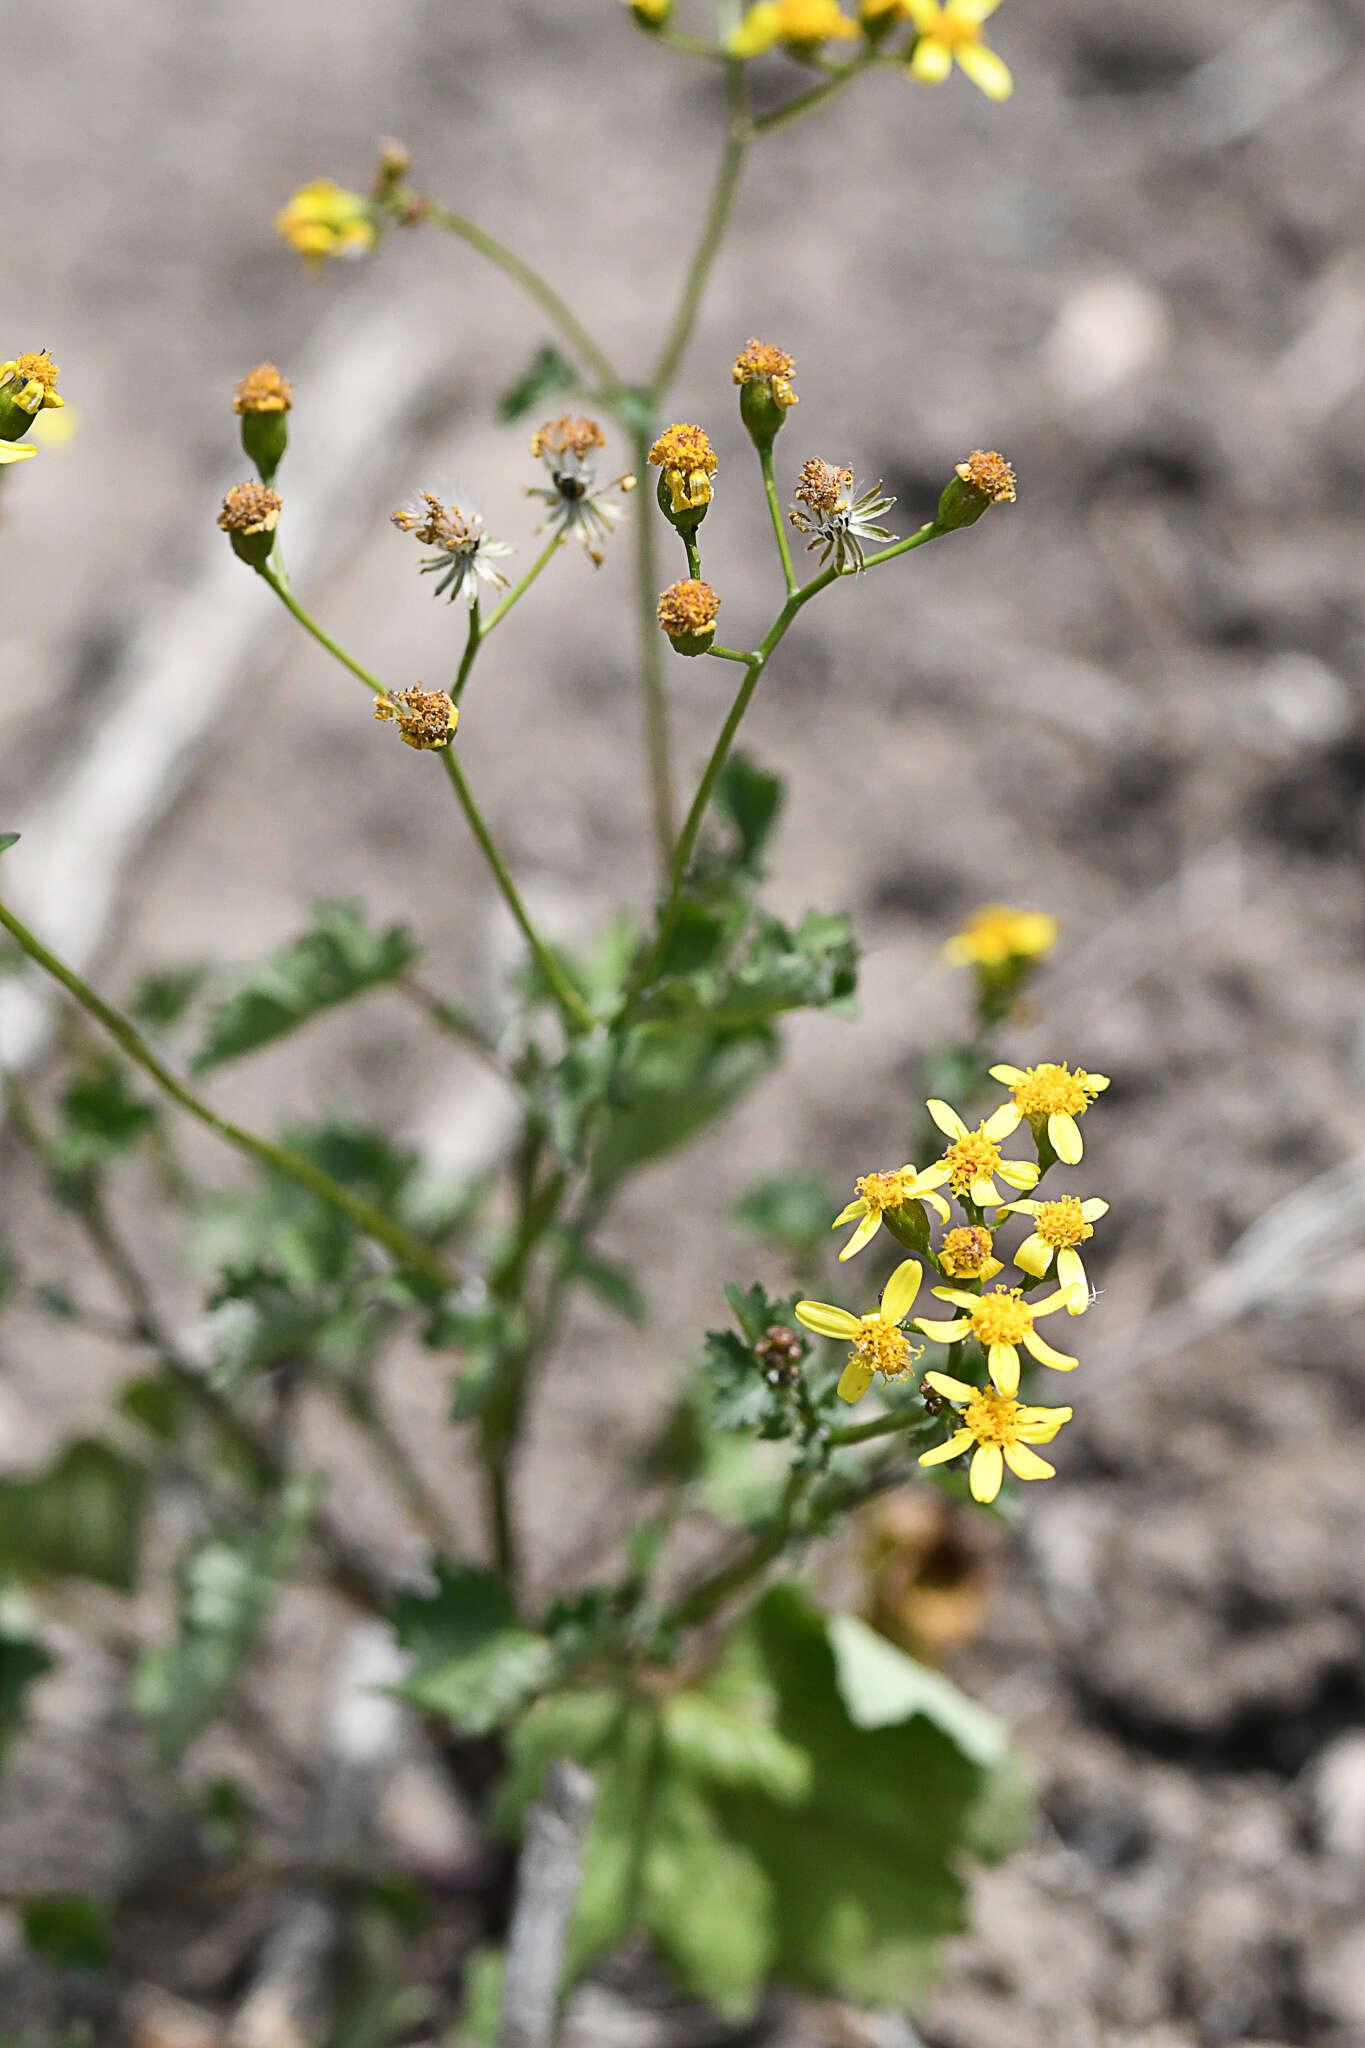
1135 699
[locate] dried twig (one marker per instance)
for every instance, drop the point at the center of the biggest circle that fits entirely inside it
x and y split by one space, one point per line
548 1879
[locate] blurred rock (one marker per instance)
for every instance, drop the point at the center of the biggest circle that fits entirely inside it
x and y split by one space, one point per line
1337 1787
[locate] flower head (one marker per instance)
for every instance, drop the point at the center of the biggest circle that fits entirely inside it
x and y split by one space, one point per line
876 1193
28 386
998 1430
968 1254
578 508
983 480
1059 1227
323 219
687 462
764 376
995 935
250 508
1000 1322
801 24
263 390
829 507
426 719
1050 1098
953 31
464 556
973 1157
879 1343
687 613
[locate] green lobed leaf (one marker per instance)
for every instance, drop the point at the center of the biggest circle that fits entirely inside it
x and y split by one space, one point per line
811 966
338 958
7 840
162 997
614 1285
474 1661
102 1118
22 1660
228 1583
68 1932
547 376
789 1211
82 1518
669 1085
751 799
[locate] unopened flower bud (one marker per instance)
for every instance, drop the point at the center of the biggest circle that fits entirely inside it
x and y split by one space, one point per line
249 517
764 375
984 479
686 462
262 402
426 719
687 613
395 161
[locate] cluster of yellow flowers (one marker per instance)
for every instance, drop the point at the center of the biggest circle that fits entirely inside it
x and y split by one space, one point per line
999 1321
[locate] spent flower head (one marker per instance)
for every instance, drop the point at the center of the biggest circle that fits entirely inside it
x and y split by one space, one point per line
426 719
879 1194
580 509
1000 1322
324 219
998 1431
950 32
879 1343
250 513
801 25
1050 1098
838 518
983 480
1059 1227
464 555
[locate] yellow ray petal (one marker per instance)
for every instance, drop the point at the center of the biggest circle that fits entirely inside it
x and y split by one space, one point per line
951 1389
854 1381
826 1319
947 1119
1026 1464
1094 1209
1045 1355
1065 1133
857 1208
943 1333
1003 1362
15 451
955 1446
1009 1075
931 62
899 1295
987 1473
986 70
864 1234
1033 1256
1001 1122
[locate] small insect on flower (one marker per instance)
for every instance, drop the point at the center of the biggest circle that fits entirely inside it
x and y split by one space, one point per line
1059 1226
953 31
426 719
995 935
1000 1322
838 519
579 509
998 1430
802 25
1049 1098
464 557
323 219
879 1343
876 1193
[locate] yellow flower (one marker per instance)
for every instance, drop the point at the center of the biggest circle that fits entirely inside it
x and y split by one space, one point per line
998 1431
879 1343
687 613
1059 1226
263 390
994 935
1000 1322
967 1254
11 451
323 219
426 719
953 30
878 1192
761 363
1050 1098
801 24
974 1156
28 386
688 461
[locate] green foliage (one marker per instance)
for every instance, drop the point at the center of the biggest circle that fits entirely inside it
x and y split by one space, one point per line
743 1389
102 1119
813 966
789 1211
161 999
632 1104
750 799
22 1660
337 958
7 840
82 1518
547 376
228 1583
474 1661
798 1812
69 1932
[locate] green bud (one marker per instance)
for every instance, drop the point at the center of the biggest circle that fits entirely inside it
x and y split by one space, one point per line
262 401
909 1225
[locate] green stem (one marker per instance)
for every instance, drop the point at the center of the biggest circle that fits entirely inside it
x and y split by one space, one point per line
738 134
450 1018
546 555
931 530
273 574
729 654
575 1012
473 641
533 284
368 1219
806 102
689 541
765 456
658 748
865 1432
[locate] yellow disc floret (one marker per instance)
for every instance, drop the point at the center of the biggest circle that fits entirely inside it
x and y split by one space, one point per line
688 461
426 719
761 363
967 1254
250 508
1062 1223
970 1161
688 607
998 1430
263 390
30 381
989 473
884 1349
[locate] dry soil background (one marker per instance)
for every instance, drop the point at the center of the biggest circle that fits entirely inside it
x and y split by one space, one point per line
1135 699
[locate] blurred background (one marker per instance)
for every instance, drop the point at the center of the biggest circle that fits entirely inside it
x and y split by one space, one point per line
1133 699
